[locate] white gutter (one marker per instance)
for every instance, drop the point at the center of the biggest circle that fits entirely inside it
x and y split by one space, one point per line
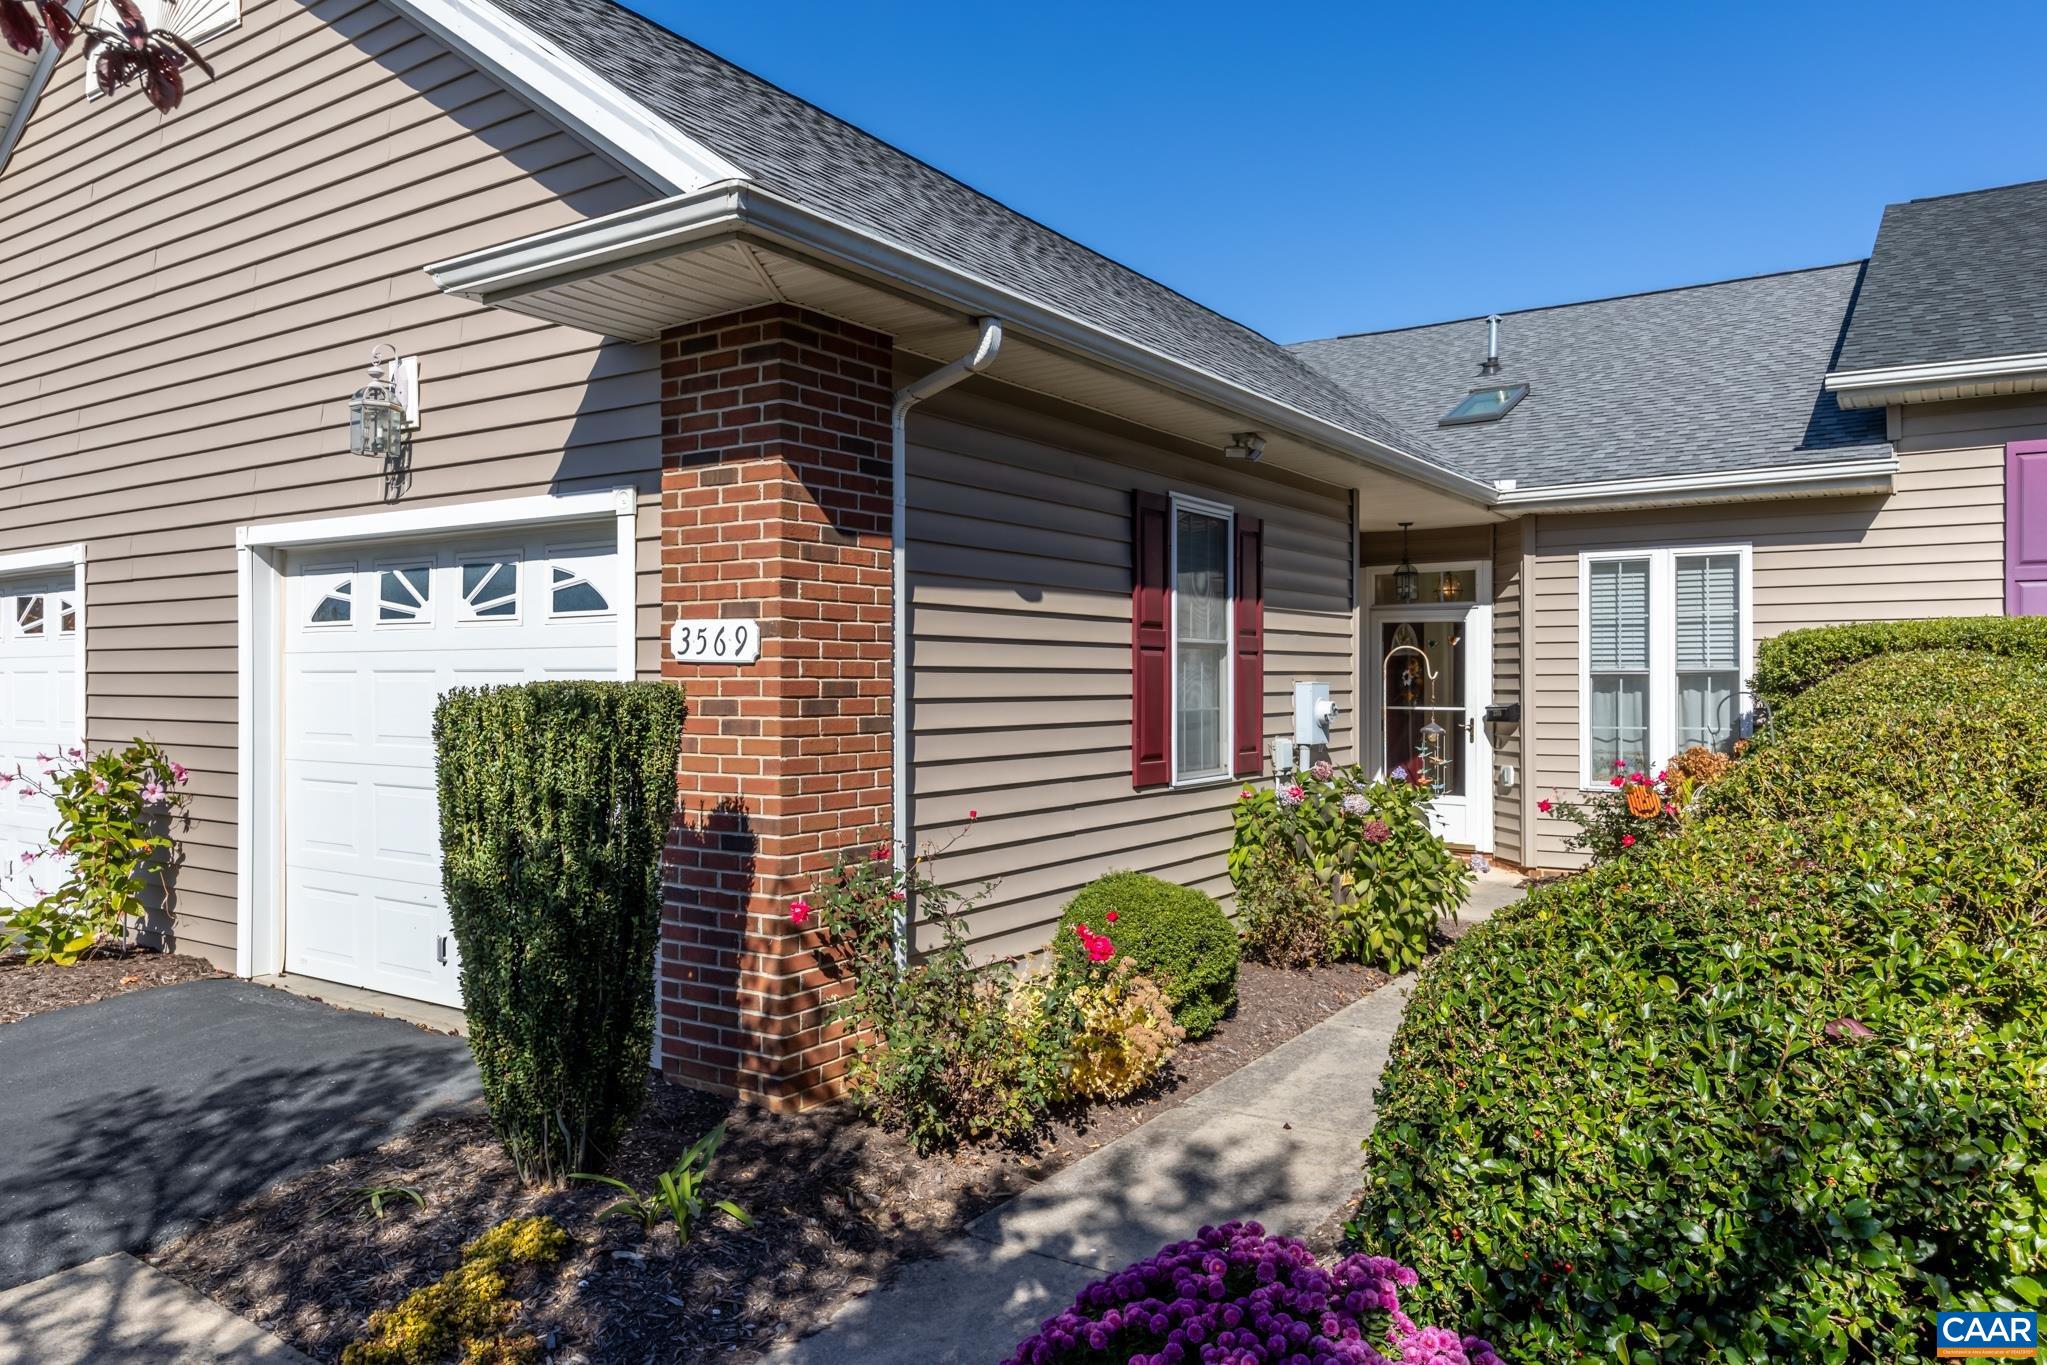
1841 477
1896 383
986 347
652 231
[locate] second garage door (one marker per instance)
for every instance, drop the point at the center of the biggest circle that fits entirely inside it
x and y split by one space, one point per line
371 641
38 719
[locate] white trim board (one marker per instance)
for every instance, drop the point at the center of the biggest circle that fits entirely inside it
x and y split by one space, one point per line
1838 478
259 552
1882 385
1662 739
608 118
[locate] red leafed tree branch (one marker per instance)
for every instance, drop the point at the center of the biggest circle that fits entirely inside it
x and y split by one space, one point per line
128 51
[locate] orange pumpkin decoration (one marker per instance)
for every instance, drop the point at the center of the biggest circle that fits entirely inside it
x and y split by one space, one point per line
1643 802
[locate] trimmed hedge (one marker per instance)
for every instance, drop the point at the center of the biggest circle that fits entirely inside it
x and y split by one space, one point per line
1175 935
555 802
1775 1088
1788 664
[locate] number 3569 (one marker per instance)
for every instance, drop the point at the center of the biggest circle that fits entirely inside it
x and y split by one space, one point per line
715 642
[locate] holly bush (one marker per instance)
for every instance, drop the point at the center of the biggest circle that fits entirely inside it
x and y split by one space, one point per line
1788 664
1772 1090
555 800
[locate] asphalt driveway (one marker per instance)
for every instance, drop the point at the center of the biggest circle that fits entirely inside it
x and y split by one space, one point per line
126 1121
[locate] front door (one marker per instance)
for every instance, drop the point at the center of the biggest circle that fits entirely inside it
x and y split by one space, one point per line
1429 662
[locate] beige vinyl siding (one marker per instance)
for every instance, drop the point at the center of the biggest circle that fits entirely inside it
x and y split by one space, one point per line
1506 739
191 303
1934 547
1020 575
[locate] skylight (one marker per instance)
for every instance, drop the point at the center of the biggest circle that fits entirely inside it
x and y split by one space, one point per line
1485 405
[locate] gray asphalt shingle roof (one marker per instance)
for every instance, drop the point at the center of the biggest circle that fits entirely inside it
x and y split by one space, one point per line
796 149
1714 377
1960 277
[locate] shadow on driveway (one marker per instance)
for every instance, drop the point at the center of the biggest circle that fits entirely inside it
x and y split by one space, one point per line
129 1120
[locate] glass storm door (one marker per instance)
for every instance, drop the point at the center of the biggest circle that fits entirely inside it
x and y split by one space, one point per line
1425 720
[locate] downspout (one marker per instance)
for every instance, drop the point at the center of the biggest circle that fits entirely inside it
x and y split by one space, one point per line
986 347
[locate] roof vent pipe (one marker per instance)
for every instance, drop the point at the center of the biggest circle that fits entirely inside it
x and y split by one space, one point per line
1492 345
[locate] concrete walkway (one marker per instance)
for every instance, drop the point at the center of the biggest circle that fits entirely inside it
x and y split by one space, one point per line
118 1311
1276 1141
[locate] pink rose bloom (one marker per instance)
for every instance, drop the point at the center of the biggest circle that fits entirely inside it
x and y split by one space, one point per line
1543 805
1627 841
1616 781
880 853
1111 917
973 815
799 912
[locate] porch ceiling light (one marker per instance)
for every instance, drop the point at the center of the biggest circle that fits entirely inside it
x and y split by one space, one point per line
1407 585
385 408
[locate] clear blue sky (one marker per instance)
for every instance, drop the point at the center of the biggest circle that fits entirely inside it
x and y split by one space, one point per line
1316 169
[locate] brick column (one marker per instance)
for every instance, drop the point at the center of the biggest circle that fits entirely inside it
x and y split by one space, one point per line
775 505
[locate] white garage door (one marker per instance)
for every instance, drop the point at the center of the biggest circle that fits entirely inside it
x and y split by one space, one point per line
371 641
38 716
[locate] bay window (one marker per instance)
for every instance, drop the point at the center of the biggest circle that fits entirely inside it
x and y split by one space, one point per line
1666 649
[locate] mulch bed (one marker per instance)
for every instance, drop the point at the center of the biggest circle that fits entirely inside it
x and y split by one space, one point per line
26 990
838 1204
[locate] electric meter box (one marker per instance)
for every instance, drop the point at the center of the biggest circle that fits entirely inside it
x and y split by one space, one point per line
1314 713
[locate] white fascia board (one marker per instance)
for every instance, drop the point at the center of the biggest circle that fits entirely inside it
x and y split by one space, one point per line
613 121
49 557
1896 383
420 521
1734 485
655 230
15 121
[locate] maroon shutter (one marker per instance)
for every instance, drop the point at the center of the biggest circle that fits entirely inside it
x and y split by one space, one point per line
1248 687
2025 528
1151 641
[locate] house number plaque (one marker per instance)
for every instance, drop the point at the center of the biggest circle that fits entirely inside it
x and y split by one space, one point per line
722 641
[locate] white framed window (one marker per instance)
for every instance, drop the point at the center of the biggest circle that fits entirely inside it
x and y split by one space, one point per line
329 597
1202 575
490 588
1666 645
405 595
578 580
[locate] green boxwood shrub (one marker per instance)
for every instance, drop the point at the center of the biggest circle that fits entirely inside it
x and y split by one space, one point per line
1788 664
1774 1090
555 802
1175 935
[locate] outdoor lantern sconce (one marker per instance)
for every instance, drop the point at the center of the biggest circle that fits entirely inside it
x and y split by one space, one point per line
1407 585
383 412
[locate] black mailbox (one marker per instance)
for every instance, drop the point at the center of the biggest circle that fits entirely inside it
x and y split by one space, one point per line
1503 713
